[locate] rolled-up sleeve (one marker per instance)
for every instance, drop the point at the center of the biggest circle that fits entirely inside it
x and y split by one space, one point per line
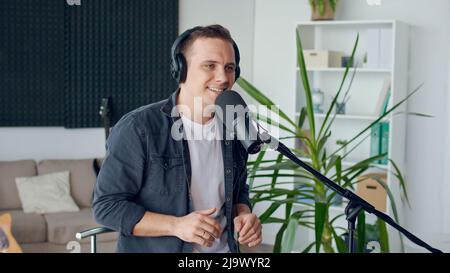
120 178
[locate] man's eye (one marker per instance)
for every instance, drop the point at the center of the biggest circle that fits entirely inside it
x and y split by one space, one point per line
230 69
209 66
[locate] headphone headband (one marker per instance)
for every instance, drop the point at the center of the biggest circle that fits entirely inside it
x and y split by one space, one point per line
179 64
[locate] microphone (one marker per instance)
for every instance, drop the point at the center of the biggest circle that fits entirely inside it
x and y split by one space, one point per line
234 114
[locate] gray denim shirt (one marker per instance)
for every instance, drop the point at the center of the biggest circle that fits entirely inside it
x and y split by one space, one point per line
146 169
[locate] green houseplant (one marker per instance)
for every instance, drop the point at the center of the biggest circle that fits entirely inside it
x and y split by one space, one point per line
282 172
323 9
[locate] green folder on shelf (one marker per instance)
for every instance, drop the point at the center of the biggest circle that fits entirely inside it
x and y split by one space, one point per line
375 140
379 141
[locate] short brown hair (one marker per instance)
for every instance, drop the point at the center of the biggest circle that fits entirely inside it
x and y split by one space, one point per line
211 31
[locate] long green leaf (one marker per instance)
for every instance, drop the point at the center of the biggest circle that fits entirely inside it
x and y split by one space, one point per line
275 172
296 183
361 231
306 86
393 205
401 180
364 163
380 118
340 243
414 114
320 217
279 237
271 220
274 123
255 168
331 163
333 103
290 233
308 248
384 240
262 99
301 118
269 211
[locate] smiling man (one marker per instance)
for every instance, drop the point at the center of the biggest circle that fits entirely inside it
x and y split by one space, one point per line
169 194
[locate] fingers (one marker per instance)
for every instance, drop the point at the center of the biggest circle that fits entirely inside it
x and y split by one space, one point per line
207 212
203 242
237 224
245 229
256 242
205 235
212 226
251 238
254 230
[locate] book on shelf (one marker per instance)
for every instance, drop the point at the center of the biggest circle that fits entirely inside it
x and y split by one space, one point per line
383 97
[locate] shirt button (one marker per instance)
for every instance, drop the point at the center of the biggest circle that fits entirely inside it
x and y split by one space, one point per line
227 171
228 199
227 142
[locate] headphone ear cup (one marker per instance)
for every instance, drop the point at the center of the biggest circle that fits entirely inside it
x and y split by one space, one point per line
182 68
177 67
174 70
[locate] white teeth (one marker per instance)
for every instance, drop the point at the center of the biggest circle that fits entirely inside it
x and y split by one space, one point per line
215 89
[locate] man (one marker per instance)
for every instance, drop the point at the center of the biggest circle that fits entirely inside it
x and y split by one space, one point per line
166 194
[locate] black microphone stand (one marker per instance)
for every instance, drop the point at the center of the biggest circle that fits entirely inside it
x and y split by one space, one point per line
356 203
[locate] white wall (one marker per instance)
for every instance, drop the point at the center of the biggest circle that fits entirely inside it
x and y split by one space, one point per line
235 15
446 186
50 143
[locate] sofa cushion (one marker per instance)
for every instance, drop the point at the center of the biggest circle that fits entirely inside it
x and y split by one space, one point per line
82 177
62 226
28 227
47 193
9 170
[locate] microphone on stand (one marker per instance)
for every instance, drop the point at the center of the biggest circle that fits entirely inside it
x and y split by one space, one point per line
234 114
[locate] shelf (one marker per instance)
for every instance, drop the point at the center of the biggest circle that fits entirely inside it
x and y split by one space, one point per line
346 23
342 70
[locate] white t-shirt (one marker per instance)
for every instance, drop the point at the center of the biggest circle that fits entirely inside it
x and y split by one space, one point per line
207 181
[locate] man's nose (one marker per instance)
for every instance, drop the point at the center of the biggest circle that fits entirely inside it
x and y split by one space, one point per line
221 76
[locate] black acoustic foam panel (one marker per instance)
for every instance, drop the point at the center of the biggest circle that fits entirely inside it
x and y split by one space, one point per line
118 49
31 63
57 60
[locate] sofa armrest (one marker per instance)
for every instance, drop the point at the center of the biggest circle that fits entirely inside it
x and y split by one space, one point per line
93 232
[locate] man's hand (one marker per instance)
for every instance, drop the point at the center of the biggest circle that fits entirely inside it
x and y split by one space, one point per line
249 228
198 227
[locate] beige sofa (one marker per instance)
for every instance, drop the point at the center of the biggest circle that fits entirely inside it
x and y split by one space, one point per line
52 232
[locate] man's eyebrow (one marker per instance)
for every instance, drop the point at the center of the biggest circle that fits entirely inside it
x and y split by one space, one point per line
216 62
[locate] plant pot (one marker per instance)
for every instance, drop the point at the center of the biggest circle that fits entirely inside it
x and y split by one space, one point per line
327 15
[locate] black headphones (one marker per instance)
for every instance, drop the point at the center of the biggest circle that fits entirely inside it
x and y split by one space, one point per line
179 66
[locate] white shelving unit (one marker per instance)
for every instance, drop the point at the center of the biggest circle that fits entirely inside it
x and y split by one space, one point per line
368 81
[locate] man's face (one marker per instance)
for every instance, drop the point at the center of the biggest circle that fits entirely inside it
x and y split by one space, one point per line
211 69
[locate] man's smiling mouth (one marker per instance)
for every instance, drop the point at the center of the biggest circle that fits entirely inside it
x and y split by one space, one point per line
215 90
